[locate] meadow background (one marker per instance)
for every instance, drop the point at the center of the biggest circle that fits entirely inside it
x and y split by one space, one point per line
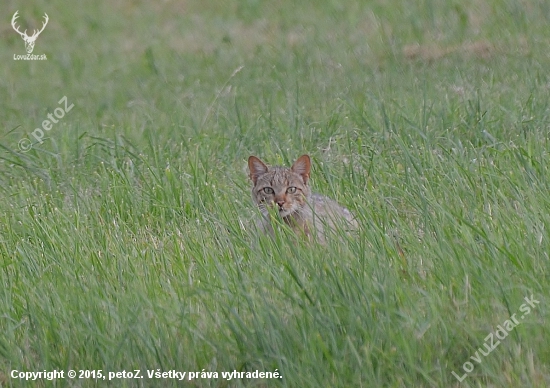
125 239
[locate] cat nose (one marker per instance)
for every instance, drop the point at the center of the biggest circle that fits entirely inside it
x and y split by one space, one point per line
280 202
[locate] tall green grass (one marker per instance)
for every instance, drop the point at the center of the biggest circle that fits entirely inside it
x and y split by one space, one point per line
126 238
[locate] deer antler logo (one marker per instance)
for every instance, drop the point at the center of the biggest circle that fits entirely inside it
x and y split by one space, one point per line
29 40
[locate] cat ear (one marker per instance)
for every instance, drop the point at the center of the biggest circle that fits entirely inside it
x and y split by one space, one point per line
302 167
256 167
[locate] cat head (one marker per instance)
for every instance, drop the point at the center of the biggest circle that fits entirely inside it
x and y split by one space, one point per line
283 188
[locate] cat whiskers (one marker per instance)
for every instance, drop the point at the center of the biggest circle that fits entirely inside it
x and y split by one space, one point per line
294 210
263 209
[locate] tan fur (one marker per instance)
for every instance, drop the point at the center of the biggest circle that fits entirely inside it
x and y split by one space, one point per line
286 189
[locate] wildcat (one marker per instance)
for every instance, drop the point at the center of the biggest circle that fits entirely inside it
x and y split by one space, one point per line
287 191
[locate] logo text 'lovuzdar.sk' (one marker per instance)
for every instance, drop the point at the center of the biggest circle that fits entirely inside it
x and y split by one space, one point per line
29 40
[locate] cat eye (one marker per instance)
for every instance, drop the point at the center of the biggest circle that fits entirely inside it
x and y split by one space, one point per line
268 190
291 190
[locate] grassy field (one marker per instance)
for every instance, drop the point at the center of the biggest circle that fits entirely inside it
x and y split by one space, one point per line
125 232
